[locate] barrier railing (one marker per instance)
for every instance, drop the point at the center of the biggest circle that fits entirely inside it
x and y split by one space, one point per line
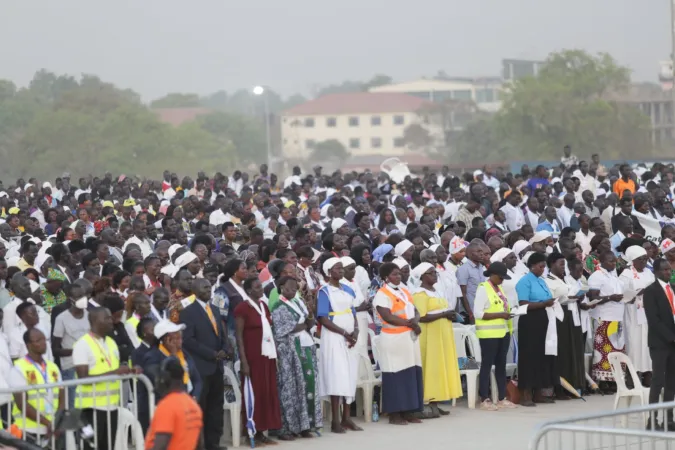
75 430
621 429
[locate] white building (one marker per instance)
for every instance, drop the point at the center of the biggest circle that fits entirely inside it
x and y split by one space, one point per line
484 92
365 123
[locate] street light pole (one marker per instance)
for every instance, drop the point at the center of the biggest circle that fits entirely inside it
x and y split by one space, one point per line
261 91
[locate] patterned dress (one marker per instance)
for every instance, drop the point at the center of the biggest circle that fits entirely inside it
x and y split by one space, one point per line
297 369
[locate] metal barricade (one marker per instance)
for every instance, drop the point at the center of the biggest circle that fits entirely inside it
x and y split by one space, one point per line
77 439
621 429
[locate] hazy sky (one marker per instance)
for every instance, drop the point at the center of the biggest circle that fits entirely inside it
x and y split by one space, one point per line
160 46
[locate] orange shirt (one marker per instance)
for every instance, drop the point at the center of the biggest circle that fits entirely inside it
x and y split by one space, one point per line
179 415
620 186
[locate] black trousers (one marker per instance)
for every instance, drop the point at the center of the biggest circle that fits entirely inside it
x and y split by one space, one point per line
494 352
101 427
211 402
663 376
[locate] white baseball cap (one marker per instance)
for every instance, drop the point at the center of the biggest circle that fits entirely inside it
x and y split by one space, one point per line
164 327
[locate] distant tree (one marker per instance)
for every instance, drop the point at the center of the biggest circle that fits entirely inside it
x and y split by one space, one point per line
176 100
330 150
354 86
244 136
217 100
376 81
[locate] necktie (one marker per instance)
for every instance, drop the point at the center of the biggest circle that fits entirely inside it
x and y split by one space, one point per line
669 294
212 319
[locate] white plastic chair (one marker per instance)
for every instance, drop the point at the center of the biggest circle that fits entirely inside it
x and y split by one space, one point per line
616 361
376 354
464 335
366 384
234 409
126 423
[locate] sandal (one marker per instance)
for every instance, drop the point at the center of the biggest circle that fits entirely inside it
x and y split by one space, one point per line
266 441
286 437
306 434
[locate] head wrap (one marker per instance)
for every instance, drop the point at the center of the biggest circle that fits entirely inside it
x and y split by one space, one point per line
329 263
379 252
420 270
456 245
634 252
347 261
501 254
129 202
54 274
173 248
519 246
667 246
182 261
400 262
402 247
434 247
337 223
540 236
40 259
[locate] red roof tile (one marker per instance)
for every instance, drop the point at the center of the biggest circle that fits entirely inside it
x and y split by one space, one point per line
177 116
358 103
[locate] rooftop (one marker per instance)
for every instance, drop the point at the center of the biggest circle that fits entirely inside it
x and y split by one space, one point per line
178 116
358 103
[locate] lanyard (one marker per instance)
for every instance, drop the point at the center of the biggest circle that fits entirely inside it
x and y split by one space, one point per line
500 295
42 368
106 356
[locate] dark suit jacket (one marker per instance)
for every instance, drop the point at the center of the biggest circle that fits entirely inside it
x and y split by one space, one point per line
153 360
200 340
661 334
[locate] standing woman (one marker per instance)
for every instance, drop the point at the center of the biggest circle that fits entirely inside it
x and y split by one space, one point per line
361 306
258 356
399 349
570 336
635 279
604 285
493 329
364 272
338 360
537 368
297 365
440 370
599 244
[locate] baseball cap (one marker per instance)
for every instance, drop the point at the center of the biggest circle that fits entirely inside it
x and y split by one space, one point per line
164 327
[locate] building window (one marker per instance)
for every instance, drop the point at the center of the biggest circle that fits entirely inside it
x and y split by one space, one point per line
375 142
309 143
375 121
399 120
354 143
485 95
353 121
398 142
461 95
331 122
309 123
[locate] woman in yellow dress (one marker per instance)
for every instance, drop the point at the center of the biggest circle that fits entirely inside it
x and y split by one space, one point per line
440 369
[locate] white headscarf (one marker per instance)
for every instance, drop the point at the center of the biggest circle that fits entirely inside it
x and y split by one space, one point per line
347 261
456 245
420 270
402 247
634 252
519 246
501 254
337 223
328 264
400 262
182 261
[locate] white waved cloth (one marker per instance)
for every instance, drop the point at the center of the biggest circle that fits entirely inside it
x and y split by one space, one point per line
551 344
268 348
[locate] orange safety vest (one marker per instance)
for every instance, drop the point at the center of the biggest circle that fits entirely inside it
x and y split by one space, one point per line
397 309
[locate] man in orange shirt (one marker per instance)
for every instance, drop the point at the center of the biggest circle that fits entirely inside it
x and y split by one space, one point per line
177 423
625 183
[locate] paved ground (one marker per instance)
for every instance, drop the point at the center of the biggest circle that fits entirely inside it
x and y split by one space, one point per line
464 428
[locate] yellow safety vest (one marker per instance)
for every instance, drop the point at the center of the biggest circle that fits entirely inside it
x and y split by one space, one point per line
106 393
46 401
495 328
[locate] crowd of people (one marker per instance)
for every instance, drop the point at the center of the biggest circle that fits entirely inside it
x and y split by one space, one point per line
298 285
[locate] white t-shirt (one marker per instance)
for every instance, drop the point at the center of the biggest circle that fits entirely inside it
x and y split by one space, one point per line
17 347
608 284
70 329
83 355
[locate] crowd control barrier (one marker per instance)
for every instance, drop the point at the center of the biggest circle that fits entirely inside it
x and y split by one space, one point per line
73 431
